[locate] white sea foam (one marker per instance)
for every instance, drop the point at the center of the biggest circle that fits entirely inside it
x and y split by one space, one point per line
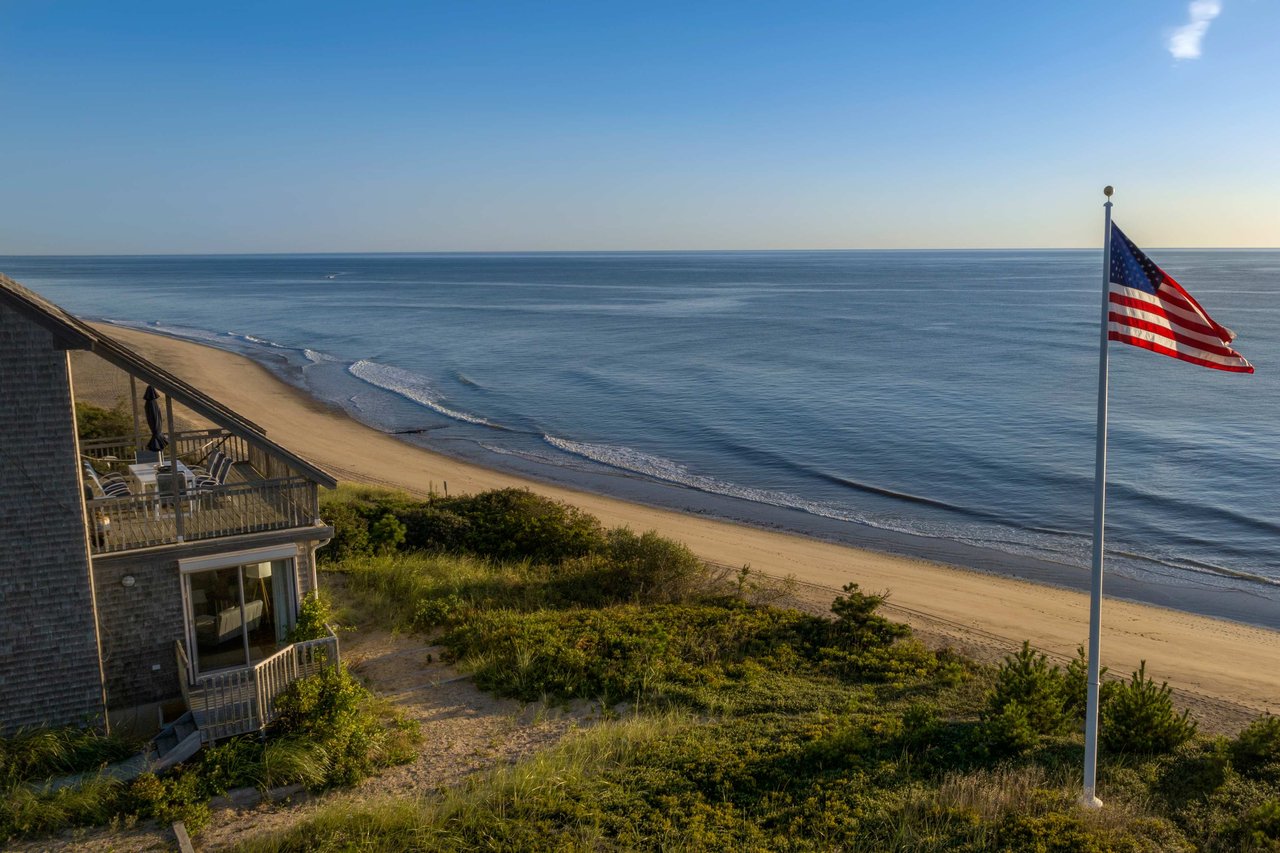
253 339
659 468
316 357
410 385
1009 539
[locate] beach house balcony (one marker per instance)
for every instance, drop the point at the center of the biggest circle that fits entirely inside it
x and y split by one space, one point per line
255 492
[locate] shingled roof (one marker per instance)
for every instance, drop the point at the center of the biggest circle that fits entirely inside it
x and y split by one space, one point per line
73 333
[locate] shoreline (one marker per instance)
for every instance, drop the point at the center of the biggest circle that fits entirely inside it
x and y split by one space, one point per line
1227 661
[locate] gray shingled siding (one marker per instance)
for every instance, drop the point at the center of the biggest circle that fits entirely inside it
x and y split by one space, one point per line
49 669
140 623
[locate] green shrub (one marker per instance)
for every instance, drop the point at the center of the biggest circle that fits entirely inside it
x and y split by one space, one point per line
339 717
386 534
516 523
1239 817
96 422
621 652
430 528
1027 680
1075 686
857 626
315 618
1255 752
235 763
176 797
1139 717
1009 729
350 532
1192 772
652 569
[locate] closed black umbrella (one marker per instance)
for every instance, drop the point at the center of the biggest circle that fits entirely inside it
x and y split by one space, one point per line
154 420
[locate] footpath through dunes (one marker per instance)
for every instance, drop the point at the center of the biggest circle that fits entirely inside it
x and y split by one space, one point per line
1231 666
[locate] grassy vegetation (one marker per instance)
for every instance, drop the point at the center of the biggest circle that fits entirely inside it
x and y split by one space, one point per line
97 422
744 725
332 732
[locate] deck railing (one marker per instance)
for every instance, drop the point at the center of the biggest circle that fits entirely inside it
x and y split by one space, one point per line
236 701
191 446
150 519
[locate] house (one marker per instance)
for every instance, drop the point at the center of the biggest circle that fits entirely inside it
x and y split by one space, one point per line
127 586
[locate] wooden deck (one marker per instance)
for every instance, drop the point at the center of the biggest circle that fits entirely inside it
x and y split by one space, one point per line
240 700
147 520
259 495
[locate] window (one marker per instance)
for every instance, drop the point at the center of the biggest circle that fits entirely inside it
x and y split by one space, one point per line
238 613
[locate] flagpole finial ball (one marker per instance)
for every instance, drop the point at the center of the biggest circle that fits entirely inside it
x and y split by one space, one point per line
1107 191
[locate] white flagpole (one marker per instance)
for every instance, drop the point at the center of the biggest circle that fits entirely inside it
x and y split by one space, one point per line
1090 797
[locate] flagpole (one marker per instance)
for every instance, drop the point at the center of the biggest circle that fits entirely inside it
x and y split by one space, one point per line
1090 797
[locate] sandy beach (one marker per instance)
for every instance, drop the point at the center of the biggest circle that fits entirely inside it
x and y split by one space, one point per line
1225 669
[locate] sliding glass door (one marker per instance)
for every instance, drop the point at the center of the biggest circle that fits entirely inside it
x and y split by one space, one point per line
238 615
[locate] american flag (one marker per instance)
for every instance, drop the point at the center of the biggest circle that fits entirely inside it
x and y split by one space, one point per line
1150 310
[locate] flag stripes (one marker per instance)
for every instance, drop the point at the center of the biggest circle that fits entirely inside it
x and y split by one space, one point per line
1148 309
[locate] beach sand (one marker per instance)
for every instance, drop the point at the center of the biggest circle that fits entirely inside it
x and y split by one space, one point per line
1224 670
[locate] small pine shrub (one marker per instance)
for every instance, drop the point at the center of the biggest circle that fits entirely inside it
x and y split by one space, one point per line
386 535
857 626
1139 717
1255 752
1027 680
1075 686
1009 730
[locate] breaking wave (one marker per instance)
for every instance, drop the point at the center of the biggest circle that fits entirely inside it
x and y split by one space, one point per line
412 386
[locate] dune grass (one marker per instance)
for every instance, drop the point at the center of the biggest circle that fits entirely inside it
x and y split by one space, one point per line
749 726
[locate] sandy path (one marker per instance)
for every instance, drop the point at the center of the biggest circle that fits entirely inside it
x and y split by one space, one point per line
1218 660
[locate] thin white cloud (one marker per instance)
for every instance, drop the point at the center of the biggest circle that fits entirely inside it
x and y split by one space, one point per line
1184 43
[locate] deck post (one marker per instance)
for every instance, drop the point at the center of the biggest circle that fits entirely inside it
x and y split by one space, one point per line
173 467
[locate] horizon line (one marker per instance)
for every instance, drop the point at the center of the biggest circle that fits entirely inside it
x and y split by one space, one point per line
619 251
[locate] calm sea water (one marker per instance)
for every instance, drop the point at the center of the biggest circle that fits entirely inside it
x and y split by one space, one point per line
938 403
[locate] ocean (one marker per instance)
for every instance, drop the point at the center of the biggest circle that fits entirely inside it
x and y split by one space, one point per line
938 404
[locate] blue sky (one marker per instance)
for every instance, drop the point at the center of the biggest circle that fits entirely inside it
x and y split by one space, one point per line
261 127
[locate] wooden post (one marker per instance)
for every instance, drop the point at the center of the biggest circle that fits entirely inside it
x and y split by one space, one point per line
174 474
137 421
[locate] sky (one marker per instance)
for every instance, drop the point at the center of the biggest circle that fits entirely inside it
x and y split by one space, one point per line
131 128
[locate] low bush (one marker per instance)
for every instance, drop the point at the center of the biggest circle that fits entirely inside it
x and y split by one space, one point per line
615 653
353 735
1036 692
651 569
1139 717
518 524
98 422
315 618
504 524
1255 752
